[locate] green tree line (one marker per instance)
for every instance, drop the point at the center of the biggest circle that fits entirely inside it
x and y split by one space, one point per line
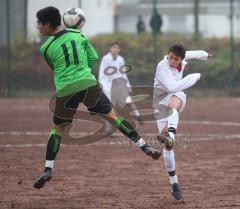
30 72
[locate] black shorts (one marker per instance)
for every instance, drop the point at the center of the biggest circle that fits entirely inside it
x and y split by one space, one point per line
93 98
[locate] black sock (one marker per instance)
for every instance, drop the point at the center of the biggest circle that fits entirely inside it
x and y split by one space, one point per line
53 146
47 169
171 129
127 129
172 173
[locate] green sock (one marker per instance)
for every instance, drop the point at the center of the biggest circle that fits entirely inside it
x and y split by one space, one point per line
53 144
127 129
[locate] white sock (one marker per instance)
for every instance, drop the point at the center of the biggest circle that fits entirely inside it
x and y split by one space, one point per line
136 113
172 135
169 160
140 142
49 163
173 122
134 108
173 179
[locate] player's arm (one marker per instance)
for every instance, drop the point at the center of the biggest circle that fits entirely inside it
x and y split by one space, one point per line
198 55
101 75
92 56
165 77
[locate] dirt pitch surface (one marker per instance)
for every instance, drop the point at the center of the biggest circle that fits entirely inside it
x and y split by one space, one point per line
115 174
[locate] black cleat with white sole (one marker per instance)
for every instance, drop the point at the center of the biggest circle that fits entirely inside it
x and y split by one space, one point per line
155 154
39 183
176 191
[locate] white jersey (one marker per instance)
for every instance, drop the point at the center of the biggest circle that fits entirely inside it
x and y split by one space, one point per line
106 80
169 80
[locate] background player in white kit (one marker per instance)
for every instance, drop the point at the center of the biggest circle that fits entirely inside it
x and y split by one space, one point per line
113 76
168 91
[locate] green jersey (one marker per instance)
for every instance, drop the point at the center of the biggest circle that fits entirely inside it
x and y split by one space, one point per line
70 56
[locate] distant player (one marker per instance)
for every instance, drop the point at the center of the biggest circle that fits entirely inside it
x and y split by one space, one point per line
71 56
115 82
168 90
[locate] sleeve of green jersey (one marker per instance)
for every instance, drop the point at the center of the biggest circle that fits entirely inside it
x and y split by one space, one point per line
92 56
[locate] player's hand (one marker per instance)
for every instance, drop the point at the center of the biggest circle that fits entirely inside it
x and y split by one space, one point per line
210 55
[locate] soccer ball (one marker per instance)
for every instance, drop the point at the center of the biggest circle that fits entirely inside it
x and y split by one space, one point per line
74 18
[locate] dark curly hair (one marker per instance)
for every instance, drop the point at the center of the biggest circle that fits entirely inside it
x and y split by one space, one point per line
49 15
178 50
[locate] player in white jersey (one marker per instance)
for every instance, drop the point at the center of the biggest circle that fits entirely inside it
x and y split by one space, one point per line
115 83
168 91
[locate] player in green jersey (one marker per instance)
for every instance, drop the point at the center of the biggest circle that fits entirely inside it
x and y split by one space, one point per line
71 56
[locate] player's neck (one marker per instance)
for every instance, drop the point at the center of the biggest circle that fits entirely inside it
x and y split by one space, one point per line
57 30
114 56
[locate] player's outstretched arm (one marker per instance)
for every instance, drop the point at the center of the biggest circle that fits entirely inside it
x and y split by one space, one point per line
165 77
197 55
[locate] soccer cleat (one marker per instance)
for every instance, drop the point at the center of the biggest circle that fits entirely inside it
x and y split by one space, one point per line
176 191
166 139
155 154
39 183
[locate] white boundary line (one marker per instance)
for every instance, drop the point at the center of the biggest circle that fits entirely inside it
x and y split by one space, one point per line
213 123
76 134
183 139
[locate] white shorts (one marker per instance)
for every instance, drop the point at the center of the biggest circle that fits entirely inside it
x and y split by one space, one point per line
165 101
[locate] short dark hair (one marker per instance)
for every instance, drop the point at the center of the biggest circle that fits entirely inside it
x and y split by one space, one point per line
49 15
114 43
178 50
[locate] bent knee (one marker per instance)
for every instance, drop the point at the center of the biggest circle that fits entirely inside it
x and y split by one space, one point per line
175 103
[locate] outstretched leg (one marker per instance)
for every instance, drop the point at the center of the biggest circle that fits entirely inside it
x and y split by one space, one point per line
127 129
